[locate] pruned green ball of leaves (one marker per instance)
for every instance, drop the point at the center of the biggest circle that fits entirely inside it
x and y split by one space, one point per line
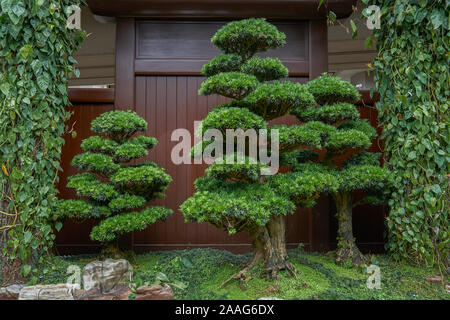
95 162
111 228
144 181
312 134
265 69
272 100
118 124
343 139
294 136
247 37
99 144
129 150
327 90
236 167
232 118
234 85
229 205
331 113
126 202
87 185
304 187
146 142
361 125
365 177
80 209
222 63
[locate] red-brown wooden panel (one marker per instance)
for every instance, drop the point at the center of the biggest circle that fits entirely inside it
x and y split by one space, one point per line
183 47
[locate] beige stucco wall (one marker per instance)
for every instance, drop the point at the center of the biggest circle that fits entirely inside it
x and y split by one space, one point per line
347 58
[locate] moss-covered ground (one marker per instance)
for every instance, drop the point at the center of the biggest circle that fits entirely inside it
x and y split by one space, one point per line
201 272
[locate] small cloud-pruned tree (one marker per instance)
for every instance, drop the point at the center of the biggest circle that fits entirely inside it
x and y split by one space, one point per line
342 132
111 189
238 197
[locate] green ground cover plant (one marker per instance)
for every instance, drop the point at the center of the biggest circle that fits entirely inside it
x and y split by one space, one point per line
201 272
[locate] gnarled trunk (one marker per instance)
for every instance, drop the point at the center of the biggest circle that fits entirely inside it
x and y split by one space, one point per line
111 250
269 252
346 247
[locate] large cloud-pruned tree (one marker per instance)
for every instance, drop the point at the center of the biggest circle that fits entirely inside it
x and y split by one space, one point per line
236 197
337 121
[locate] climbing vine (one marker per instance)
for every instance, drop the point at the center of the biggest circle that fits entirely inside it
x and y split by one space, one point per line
412 77
36 57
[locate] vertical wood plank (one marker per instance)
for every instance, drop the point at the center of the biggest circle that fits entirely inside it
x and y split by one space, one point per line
125 55
318 48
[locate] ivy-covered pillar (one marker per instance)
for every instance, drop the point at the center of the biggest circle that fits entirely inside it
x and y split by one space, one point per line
412 76
36 57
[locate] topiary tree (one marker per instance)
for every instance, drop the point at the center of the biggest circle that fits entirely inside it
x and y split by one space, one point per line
340 132
111 188
238 197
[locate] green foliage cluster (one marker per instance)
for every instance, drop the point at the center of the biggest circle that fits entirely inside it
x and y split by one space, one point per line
248 169
275 99
265 69
112 187
111 228
412 77
222 63
247 37
234 206
235 85
327 90
329 113
237 196
36 58
118 125
304 187
334 127
232 118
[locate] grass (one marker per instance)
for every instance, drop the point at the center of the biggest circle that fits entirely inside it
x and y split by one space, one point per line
203 270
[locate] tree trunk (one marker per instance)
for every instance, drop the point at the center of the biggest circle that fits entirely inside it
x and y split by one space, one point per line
346 248
111 250
269 252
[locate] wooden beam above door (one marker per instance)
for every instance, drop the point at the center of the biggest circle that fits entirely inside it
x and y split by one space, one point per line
275 9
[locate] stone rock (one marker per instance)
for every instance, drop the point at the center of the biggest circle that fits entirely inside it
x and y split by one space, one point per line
154 292
120 292
47 292
105 275
269 298
11 292
434 279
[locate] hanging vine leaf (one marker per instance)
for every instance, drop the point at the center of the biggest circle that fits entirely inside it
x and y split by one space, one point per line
412 77
35 47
